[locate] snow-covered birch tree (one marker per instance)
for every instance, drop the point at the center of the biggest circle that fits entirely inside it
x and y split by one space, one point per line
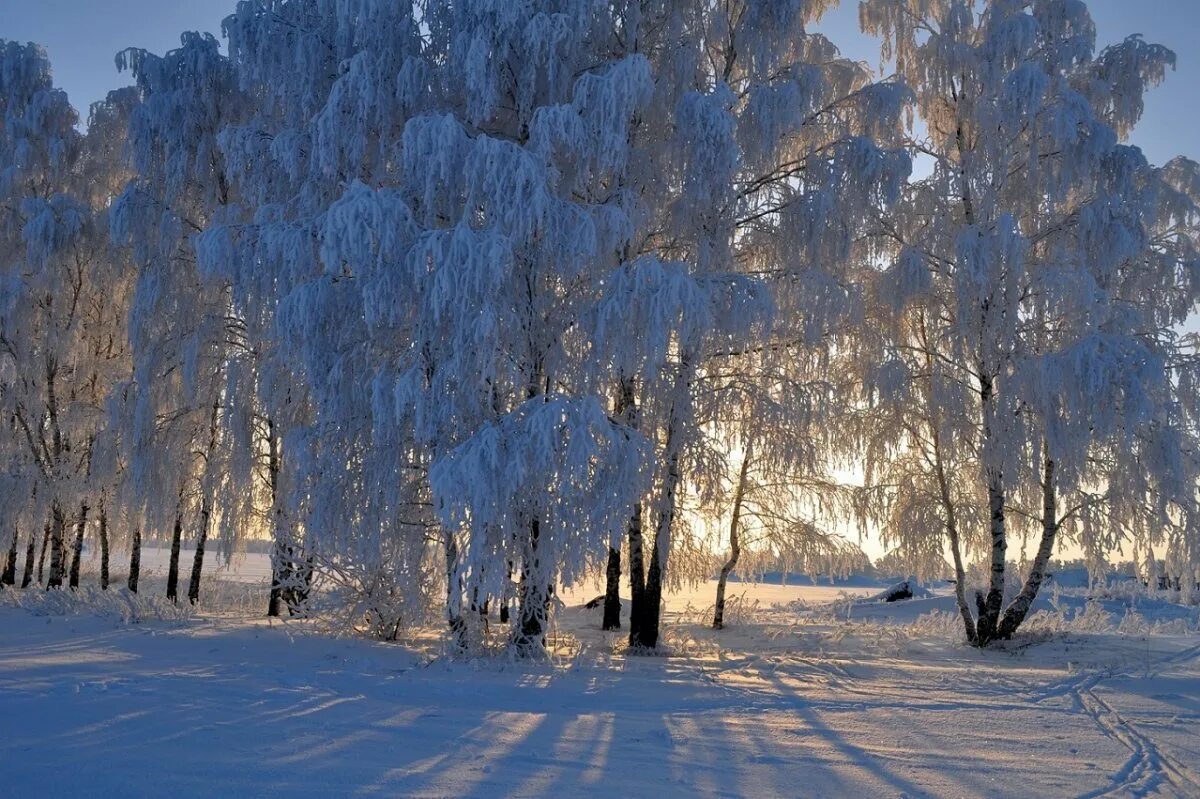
538 477
184 330
333 84
1035 281
768 137
63 292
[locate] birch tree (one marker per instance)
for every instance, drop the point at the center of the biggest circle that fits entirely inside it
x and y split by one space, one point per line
62 296
1021 356
333 84
773 138
183 329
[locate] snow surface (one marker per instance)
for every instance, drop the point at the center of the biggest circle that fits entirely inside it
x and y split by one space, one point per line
811 693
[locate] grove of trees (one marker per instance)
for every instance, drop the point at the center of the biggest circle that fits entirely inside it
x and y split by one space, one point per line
458 302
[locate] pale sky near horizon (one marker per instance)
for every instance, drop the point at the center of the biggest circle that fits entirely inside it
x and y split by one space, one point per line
83 36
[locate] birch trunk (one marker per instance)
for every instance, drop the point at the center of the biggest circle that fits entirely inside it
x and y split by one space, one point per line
103 546
612 591
58 526
637 576
735 543
198 559
534 592
627 411
454 617
173 566
1018 609
135 560
947 499
656 572
534 599
277 530
990 607
960 572
9 577
77 546
42 557
206 507
27 577
649 629
648 632
57 550
274 600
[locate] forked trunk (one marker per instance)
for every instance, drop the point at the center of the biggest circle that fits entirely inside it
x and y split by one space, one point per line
648 631
1018 609
533 594
649 627
627 410
57 531
77 547
135 560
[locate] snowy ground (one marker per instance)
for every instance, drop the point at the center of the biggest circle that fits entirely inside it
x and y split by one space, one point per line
800 699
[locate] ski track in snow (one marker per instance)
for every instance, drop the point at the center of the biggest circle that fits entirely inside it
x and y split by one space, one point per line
1149 766
235 706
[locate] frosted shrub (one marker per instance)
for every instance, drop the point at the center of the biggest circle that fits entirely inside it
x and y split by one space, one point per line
119 604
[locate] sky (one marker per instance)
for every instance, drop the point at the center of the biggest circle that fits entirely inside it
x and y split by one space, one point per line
83 36
1172 118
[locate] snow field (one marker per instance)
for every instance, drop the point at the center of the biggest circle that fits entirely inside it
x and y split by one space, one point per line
805 695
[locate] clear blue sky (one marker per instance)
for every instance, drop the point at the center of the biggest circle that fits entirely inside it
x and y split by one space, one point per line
82 37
